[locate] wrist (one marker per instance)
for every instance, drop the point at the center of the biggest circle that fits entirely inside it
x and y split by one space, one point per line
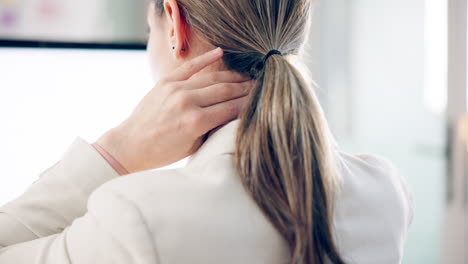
115 164
110 146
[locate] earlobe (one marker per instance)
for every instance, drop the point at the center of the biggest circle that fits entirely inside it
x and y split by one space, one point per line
178 31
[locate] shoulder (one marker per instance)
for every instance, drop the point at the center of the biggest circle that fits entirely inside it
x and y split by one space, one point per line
211 191
374 207
365 161
373 171
163 188
198 211
378 181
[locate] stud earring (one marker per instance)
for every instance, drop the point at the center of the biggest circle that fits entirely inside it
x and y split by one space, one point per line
183 49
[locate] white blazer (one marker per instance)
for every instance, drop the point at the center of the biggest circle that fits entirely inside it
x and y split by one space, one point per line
81 211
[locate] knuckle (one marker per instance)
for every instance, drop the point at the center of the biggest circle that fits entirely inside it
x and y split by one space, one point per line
232 108
194 121
163 81
247 87
228 91
241 89
183 101
171 87
190 66
213 78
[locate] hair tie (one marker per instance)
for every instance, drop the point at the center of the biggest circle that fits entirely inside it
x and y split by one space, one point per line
271 52
259 66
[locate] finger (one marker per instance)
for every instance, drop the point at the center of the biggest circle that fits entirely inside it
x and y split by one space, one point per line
221 92
195 65
203 80
221 114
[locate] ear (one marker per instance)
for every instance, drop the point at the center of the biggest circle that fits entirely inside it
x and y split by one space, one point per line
178 31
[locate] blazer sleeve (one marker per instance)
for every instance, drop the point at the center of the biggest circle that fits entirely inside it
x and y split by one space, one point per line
57 197
113 231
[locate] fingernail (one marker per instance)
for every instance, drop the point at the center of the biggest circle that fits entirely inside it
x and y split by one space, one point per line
217 50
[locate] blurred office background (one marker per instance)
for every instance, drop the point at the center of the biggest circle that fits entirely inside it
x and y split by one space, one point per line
383 69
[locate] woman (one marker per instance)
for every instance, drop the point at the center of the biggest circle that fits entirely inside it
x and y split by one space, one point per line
266 185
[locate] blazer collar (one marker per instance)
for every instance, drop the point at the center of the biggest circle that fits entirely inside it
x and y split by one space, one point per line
221 141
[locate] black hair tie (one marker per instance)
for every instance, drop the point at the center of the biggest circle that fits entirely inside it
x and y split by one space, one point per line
271 52
259 66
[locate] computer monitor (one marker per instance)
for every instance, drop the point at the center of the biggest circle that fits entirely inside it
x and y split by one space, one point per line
48 97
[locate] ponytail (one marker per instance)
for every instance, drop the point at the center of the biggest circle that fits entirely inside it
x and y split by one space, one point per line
283 154
285 161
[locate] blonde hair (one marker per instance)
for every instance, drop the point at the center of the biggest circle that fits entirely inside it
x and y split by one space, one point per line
284 154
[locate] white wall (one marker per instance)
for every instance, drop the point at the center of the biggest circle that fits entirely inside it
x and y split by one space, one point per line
370 61
388 69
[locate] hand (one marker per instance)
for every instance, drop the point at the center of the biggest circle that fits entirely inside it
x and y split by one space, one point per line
171 120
